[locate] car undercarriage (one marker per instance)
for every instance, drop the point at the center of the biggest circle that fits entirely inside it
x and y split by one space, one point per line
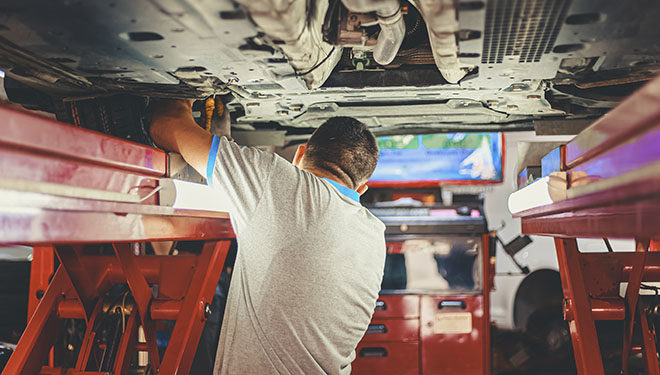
284 67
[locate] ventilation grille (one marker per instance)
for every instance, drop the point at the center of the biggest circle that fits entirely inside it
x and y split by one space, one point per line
523 28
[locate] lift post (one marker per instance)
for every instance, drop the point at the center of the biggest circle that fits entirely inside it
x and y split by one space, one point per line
613 191
92 200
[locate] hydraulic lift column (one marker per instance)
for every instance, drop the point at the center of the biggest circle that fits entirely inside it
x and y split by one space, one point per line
612 190
92 200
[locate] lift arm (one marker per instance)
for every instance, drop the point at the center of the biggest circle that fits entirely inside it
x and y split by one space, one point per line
93 200
612 190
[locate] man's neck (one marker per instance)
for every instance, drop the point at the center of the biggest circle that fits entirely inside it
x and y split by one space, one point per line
328 175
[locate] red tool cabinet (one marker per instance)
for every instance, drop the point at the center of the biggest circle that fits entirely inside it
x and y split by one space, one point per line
427 321
391 344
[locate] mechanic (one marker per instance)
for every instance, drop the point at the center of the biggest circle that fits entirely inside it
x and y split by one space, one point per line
310 259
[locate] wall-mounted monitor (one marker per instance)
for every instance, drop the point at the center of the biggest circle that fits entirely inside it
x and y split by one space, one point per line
435 159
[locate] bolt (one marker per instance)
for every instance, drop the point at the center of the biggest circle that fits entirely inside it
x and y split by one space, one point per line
207 310
568 310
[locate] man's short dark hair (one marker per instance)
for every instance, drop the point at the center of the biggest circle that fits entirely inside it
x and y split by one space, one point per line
345 147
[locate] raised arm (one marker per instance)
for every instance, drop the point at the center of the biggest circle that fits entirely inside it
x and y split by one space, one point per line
173 128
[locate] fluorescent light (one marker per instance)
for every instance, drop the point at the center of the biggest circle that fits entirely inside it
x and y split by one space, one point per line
533 195
192 196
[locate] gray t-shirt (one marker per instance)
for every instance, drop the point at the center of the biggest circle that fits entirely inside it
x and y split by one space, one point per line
308 270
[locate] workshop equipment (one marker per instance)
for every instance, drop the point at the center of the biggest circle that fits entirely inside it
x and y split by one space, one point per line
433 312
93 201
611 178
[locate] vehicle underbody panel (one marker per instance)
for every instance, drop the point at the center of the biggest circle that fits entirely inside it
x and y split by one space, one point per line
293 64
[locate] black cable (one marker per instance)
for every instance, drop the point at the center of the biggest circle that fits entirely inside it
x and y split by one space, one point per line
609 246
523 269
317 65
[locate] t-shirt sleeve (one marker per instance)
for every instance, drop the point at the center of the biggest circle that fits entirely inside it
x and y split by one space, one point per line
240 174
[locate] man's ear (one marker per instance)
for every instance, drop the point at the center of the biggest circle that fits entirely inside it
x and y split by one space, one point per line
299 154
362 189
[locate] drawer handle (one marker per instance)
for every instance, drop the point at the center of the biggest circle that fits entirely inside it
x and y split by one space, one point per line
373 352
380 305
376 328
452 305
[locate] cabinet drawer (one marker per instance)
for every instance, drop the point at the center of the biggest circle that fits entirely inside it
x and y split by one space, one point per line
386 358
397 307
457 327
392 330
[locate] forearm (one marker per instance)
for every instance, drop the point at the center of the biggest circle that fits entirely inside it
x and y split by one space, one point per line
173 128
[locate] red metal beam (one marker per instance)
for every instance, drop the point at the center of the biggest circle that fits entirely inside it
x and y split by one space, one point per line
127 345
625 261
36 149
165 310
487 288
190 322
41 331
80 278
633 116
41 269
649 352
614 182
88 341
61 227
632 294
17 200
25 166
620 153
608 309
583 330
142 296
637 219
637 152
159 309
42 136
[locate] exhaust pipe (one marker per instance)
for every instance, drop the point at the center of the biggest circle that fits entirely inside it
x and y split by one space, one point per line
390 20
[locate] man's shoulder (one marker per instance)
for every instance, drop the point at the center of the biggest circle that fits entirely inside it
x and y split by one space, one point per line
373 220
253 158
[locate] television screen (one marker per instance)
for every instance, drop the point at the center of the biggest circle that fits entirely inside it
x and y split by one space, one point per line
431 159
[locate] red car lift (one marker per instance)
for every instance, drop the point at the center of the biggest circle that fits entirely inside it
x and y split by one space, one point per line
93 200
613 191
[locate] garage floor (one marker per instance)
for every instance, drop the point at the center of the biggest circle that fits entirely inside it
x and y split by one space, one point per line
514 353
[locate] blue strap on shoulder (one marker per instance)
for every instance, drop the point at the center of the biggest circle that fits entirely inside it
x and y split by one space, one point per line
210 164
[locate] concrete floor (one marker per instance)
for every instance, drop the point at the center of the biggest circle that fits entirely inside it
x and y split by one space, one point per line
515 353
